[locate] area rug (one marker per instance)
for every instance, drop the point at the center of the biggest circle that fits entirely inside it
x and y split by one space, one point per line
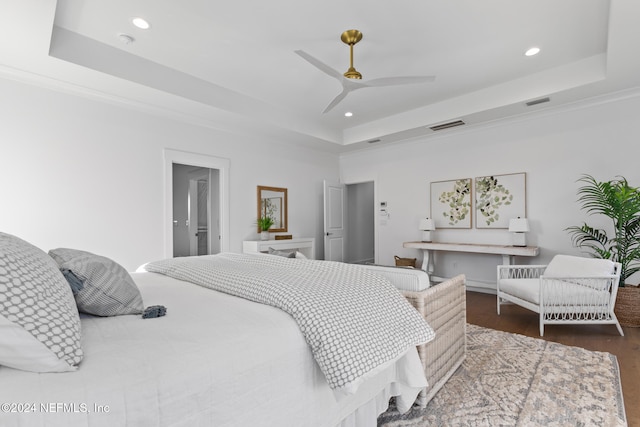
513 380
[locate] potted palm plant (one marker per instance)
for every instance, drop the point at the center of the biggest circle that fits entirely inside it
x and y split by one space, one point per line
619 202
265 223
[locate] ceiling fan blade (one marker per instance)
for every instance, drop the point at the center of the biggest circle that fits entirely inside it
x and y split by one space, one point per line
336 100
319 64
396 81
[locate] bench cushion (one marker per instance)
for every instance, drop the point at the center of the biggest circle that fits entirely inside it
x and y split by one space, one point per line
403 278
557 292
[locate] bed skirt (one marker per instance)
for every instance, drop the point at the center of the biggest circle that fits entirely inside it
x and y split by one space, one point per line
444 307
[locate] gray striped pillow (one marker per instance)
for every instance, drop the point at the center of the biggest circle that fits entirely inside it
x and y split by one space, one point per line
108 288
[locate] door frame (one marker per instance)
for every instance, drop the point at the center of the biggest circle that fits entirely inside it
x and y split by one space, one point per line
376 217
376 203
172 156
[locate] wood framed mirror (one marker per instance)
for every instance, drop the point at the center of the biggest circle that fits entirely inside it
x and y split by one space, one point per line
272 202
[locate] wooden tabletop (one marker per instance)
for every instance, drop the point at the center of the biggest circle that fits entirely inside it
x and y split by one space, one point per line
475 248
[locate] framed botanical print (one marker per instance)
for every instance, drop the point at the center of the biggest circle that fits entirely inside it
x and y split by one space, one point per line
451 203
500 198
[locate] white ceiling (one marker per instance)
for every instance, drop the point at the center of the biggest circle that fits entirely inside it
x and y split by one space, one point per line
232 65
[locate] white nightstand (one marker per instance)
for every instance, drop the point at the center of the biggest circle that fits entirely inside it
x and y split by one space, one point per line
306 246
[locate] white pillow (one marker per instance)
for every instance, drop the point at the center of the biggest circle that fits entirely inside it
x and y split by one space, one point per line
291 253
573 266
39 322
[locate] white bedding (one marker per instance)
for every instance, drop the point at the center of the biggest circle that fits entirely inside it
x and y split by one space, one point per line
213 360
353 321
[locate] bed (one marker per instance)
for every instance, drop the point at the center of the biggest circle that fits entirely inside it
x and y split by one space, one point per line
213 360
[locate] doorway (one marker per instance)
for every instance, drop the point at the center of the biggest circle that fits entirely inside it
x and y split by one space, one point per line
360 235
349 222
201 188
195 210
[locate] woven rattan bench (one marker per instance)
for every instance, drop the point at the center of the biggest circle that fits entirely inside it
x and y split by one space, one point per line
444 307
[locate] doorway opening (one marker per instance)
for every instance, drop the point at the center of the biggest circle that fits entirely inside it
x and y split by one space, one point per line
196 219
360 234
196 204
349 222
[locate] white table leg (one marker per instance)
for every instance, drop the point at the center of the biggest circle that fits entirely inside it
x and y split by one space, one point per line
507 259
426 258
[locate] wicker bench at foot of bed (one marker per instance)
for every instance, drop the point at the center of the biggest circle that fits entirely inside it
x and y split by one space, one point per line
444 308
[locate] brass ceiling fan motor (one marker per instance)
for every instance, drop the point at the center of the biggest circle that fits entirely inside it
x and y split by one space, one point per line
351 37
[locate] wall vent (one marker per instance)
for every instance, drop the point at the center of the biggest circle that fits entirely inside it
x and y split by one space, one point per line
447 125
538 101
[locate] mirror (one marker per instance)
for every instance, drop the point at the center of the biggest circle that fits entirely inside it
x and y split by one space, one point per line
272 202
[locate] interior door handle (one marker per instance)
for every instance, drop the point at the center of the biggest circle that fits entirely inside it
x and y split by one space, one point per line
328 234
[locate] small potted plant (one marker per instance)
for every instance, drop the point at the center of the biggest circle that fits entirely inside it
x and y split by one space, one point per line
265 223
619 202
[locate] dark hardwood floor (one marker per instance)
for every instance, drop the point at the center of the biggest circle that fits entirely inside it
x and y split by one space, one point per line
481 311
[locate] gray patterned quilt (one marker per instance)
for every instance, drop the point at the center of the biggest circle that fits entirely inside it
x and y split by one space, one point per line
353 320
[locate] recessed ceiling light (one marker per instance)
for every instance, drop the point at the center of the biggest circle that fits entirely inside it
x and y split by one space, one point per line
532 51
348 114
141 23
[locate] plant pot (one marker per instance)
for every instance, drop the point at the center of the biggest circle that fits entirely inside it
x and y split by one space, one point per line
628 306
264 235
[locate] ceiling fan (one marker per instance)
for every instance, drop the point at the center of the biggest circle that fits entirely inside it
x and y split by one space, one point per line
352 80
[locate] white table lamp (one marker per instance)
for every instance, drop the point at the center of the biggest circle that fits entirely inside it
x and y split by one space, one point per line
519 227
427 226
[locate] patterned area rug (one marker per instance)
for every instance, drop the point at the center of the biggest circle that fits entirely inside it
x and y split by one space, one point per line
513 380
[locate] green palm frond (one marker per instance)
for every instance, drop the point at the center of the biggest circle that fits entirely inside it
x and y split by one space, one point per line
620 202
592 239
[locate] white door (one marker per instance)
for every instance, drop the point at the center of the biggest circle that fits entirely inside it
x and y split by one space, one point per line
334 221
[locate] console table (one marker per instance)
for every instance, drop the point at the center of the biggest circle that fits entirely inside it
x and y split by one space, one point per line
508 253
306 246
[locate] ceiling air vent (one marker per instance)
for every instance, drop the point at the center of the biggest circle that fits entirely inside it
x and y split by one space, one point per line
447 125
538 101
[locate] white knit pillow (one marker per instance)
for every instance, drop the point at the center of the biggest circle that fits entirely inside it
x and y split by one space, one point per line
39 322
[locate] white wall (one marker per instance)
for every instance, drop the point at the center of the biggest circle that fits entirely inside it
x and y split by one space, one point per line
554 149
89 175
85 174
